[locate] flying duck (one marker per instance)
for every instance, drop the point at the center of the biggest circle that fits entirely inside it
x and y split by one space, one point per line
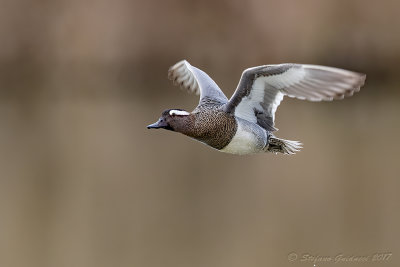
245 123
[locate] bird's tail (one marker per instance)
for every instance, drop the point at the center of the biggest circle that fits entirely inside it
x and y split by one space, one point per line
283 146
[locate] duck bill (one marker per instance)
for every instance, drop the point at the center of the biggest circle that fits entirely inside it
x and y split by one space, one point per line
157 125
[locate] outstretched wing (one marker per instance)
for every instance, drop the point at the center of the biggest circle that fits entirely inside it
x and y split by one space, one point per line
196 81
261 89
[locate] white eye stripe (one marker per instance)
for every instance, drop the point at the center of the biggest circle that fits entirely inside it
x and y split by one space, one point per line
178 112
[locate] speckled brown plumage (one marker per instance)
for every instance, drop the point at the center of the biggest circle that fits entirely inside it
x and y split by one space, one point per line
210 125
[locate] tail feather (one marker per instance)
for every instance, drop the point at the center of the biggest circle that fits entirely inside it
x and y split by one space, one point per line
283 146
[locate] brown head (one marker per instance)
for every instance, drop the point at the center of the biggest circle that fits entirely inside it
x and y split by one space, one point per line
172 119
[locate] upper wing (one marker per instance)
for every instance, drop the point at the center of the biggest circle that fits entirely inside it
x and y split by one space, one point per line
261 89
197 81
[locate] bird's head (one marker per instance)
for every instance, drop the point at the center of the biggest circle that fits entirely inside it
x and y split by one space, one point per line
171 119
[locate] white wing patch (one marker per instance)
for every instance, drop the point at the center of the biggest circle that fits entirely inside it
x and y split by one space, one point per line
245 109
288 78
178 112
266 91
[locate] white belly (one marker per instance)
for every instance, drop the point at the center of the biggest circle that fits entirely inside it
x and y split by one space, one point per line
247 140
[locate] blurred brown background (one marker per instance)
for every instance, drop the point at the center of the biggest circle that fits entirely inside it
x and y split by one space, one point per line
84 183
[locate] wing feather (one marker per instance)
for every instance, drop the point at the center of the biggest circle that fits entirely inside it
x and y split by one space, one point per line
261 89
196 81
